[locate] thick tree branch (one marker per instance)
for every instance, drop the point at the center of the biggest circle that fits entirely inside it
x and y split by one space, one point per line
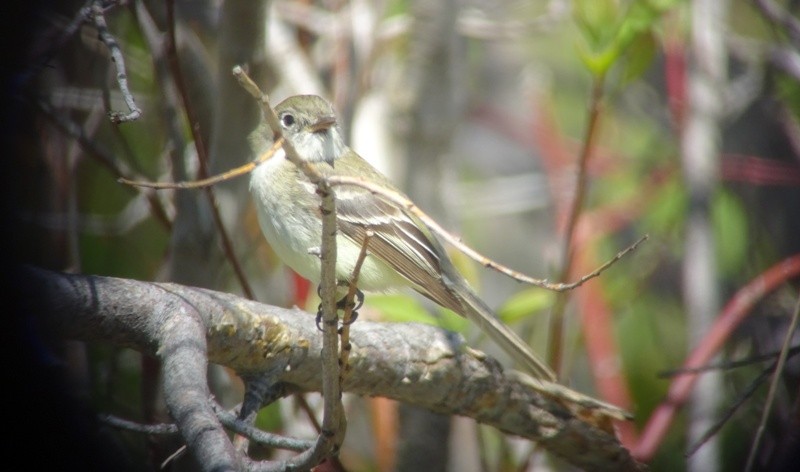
418 364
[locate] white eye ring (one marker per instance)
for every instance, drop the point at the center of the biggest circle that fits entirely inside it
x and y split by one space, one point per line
287 120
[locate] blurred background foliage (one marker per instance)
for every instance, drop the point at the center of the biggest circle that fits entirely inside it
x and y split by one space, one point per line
480 110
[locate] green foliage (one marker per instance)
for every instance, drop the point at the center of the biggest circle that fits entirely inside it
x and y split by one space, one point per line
667 209
399 308
269 418
651 335
730 232
524 304
639 56
402 308
788 91
612 29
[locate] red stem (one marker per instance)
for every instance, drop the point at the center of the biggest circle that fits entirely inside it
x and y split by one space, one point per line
731 316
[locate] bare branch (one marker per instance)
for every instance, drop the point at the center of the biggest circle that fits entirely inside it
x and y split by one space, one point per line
410 207
418 364
99 19
229 420
117 422
334 422
239 171
349 308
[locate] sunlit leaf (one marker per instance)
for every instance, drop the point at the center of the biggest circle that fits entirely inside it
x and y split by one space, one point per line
730 232
639 56
524 304
668 208
596 19
399 308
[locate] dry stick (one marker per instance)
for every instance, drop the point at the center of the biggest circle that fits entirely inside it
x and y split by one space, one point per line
119 63
232 422
726 365
121 423
333 420
202 183
410 207
773 388
228 419
344 331
726 416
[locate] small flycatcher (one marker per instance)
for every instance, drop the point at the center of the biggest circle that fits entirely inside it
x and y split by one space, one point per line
402 251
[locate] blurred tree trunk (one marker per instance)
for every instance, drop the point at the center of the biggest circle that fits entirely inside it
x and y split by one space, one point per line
195 255
700 153
427 108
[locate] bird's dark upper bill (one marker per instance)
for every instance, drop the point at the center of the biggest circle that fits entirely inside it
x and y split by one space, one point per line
324 123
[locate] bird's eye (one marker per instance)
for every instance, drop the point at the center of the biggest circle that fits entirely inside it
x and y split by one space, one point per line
287 119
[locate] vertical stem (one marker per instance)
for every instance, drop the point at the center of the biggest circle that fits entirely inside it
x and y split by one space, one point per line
333 419
700 155
202 151
556 331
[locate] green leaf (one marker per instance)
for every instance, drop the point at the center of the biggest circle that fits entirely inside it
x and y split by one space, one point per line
596 19
788 90
730 232
639 56
525 303
639 19
269 418
399 308
667 212
611 28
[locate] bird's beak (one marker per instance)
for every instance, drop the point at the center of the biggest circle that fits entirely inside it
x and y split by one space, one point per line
323 124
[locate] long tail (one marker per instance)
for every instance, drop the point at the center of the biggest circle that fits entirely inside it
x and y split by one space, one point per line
484 317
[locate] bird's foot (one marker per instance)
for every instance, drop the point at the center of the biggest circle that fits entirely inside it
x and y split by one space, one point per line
343 305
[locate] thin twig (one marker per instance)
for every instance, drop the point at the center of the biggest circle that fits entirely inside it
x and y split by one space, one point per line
556 330
117 422
202 151
238 171
344 331
743 397
773 388
230 421
736 310
726 365
302 403
410 207
99 19
333 420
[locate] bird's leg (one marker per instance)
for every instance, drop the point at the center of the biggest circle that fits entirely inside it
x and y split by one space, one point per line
358 303
342 305
318 319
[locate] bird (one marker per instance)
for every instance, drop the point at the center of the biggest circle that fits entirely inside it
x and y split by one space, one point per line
401 252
